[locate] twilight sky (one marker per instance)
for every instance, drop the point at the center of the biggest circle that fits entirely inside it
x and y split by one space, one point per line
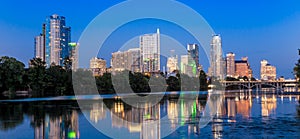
258 29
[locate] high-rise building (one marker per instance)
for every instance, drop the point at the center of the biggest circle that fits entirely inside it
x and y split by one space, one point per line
172 64
193 51
242 68
134 55
150 52
267 71
230 64
57 38
217 63
39 49
39 44
129 60
187 66
98 66
74 47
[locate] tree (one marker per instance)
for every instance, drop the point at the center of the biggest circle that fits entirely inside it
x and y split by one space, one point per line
37 77
297 70
203 81
11 73
173 84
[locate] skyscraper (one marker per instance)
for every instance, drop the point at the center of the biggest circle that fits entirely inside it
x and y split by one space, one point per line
74 47
150 52
39 49
57 38
193 51
217 64
187 66
230 64
267 71
39 44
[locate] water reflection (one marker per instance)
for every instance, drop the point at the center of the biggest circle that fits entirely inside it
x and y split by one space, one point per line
262 115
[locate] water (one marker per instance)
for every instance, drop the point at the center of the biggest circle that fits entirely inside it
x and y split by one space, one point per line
240 115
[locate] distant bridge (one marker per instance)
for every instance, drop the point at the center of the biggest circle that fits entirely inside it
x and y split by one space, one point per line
278 85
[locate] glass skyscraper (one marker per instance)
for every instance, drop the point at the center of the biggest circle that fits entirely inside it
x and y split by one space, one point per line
150 52
57 38
217 63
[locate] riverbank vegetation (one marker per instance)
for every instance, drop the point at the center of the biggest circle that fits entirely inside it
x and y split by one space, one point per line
41 81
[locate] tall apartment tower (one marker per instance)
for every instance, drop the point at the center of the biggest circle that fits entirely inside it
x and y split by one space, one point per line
39 45
193 51
230 64
150 52
217 63
57 38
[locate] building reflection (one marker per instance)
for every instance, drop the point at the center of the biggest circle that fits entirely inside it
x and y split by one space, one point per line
64 126
145 119
268 105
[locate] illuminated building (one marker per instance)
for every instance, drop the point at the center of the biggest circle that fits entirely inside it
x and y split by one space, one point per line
217 63
57 38
129 60
193 51
230 64
188 66
242 68
74 47
98 66
150 52
172 64
39 45
267 71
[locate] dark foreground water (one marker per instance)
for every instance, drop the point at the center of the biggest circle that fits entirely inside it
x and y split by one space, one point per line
239 115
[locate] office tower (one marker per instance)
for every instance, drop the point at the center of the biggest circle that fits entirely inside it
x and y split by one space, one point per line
193 51
98 66
57 38
217 62
39 45
172 64
134 55
127 60
242 68
187 66
150 52
74 47
267 71
230 64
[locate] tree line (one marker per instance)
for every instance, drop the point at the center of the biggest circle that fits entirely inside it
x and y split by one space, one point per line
42 81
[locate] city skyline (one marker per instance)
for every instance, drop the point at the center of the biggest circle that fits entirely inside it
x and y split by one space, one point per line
248 37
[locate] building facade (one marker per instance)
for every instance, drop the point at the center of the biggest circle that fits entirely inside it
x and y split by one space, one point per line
57 38
242 68
127 60
267 71
74 54
193 51
150 52
217 63
172 64
230 64
98 66
39 49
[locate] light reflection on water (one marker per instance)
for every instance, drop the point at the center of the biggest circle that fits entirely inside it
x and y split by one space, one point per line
243 114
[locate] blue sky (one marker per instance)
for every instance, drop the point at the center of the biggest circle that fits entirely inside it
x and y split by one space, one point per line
268 29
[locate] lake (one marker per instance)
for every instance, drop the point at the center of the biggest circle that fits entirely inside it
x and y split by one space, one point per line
176 115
